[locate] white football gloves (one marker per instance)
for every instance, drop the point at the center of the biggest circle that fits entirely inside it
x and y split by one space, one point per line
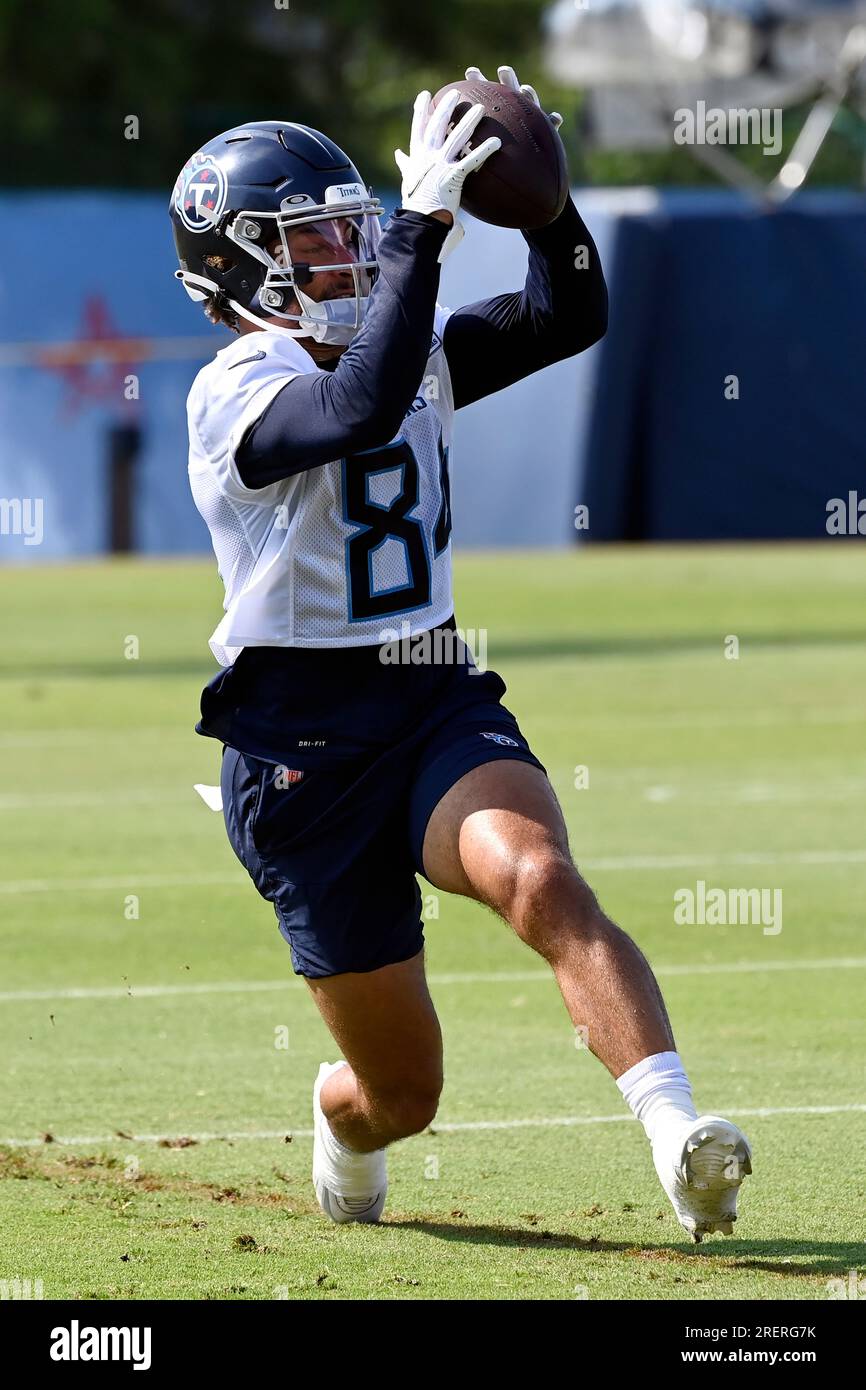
433 172
508 78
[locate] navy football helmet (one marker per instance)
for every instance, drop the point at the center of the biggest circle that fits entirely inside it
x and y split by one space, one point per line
232 206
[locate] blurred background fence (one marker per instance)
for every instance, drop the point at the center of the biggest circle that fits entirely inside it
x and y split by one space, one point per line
728 397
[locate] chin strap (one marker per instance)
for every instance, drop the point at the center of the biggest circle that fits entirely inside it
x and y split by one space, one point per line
267 323
321 331
327 321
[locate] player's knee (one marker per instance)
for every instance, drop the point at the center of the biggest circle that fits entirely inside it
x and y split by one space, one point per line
550 900
410 1108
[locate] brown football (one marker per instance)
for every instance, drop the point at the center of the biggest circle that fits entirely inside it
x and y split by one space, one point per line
525 183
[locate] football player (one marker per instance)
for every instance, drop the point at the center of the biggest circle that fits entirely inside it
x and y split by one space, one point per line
319 459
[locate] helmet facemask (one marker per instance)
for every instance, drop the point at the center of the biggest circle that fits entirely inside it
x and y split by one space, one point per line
348 225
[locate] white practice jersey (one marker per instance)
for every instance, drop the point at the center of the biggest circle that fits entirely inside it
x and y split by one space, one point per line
349 553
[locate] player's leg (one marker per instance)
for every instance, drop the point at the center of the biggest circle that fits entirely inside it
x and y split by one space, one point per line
498 835
386 1028
328 849
385 1088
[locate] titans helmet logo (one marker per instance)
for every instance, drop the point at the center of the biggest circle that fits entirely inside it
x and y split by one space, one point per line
200 193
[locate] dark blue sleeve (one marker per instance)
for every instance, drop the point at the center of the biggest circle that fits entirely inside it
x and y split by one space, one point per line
321 416
561 310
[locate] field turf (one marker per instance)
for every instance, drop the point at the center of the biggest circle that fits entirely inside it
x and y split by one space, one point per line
156 1131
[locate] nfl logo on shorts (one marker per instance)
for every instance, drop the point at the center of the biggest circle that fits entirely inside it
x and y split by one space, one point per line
286 776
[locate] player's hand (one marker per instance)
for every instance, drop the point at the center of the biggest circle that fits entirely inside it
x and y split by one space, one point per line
434 171
508 78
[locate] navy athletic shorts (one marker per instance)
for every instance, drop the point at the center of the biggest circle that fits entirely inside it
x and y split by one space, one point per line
330 827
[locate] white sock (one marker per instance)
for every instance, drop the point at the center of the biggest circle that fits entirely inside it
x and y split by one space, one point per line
658 1093
340 1153
334 1147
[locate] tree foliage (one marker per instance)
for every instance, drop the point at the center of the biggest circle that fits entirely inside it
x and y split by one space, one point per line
75 70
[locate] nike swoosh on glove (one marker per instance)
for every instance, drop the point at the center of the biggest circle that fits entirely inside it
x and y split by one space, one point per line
434 171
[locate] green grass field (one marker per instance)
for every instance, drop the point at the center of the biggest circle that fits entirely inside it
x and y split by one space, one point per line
124 1035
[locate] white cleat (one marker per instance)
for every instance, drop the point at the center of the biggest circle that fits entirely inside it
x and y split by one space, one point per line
349 1186
701 1168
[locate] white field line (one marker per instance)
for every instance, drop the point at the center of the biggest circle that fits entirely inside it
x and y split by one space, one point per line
700 861
710 719
721 719
469 977
85 738
55 801
705 794
709 795
617 863
461 1127
121 882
